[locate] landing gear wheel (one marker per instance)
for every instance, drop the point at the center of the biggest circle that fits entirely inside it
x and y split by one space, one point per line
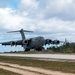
39 49
27 49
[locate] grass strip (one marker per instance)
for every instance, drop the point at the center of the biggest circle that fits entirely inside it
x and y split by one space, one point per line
68 67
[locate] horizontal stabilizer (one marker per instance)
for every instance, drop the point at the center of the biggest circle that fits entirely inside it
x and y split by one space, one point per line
27 31
13 31
20 31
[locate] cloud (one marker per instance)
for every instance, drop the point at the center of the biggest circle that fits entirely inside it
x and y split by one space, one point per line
9 19
28 5
49 8
60 8
49 18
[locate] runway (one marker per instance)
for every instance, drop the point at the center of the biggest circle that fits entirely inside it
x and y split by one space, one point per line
51 56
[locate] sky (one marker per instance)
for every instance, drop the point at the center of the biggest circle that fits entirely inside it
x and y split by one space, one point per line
53 19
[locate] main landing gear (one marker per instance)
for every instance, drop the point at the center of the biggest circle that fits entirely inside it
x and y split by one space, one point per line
40 49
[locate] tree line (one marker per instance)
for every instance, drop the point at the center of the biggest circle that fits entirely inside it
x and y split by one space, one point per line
65 48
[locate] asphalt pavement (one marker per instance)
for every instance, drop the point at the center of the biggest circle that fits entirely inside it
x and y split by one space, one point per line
55 56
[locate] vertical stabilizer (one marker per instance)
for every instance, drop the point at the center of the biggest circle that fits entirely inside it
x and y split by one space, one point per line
22 33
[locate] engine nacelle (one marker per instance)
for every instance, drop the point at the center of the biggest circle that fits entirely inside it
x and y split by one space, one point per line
26 41
48 41
13 43
55 42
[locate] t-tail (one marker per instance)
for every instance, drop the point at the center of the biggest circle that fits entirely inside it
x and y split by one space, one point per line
22 33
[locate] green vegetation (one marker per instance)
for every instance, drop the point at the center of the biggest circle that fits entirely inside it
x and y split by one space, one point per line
4 72
52 65
65 48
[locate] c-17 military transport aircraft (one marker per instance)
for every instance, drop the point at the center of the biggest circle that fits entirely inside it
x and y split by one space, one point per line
36 43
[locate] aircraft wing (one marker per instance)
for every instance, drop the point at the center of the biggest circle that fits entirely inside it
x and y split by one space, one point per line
12 43
18 42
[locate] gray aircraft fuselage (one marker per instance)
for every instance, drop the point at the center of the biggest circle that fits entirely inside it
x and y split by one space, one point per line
36 42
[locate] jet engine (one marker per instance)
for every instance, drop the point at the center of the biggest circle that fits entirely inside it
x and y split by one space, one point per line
55 42
48 41
13 43
26 41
